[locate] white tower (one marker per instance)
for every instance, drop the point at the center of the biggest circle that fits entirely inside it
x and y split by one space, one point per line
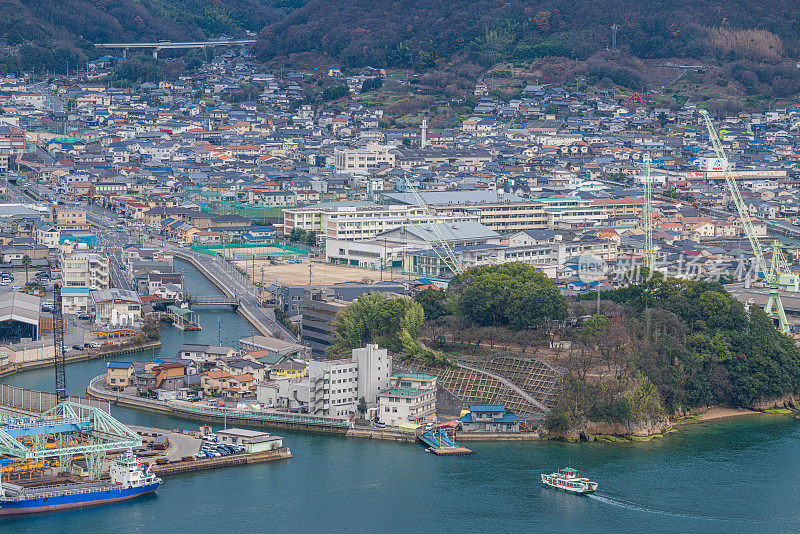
423 141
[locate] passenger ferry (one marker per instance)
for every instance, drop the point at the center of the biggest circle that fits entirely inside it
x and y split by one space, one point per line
129 479
569 479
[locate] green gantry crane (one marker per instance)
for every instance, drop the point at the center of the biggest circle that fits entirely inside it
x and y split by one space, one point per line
777 275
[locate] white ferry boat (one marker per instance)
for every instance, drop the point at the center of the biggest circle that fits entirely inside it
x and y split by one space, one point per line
569 479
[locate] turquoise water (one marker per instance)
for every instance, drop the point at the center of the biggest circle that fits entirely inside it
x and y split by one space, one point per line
736 476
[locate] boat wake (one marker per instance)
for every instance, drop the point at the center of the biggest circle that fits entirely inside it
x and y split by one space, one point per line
644 509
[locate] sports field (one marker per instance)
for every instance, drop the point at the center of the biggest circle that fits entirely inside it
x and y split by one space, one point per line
298 273
241 253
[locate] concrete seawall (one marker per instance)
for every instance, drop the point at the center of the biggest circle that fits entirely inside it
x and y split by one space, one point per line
78 357
94 391
116 399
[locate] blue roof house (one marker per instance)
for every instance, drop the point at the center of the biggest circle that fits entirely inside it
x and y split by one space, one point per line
489 418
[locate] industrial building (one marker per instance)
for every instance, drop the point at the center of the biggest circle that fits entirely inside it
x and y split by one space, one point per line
19 316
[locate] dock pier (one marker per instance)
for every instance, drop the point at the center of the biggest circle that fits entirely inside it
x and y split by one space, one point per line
442 443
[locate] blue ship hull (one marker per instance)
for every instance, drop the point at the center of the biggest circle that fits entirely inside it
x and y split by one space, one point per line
35 504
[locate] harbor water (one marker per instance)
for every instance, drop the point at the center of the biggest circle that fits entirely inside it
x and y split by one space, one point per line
732 476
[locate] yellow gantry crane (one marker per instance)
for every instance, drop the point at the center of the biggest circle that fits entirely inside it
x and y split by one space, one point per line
777 274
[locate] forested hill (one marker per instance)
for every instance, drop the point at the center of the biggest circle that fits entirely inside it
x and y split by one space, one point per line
755 43
78 24
422 33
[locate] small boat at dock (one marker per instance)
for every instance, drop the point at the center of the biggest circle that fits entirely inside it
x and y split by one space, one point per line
569 480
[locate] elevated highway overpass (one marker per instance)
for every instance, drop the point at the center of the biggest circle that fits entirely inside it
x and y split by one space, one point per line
169 45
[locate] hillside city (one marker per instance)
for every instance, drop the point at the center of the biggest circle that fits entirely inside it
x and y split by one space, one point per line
312 266
300 209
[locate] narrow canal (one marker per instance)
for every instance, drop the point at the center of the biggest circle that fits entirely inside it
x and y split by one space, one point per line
736 476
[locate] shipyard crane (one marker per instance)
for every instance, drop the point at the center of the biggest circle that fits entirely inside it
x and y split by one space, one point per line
777 274
649 253
439 245
58 345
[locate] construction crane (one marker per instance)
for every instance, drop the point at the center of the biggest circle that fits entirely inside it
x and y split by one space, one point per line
439 245
777 274
649 253
58 343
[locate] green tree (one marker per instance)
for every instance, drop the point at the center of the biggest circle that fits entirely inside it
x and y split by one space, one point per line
372 84
433 302
392 323
336 92
297 235
362 406
26 262
510 293
137 70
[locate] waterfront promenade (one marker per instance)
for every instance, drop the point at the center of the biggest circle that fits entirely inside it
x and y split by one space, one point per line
276 419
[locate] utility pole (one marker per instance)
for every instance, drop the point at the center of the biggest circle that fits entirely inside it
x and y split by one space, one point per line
309 271
219 332
598 299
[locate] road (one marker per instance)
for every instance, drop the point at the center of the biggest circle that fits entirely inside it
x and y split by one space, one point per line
245 291
236 284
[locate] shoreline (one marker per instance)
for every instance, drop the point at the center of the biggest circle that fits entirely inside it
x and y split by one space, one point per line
77 357
714 414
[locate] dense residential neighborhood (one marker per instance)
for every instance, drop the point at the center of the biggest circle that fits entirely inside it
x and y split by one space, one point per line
308 208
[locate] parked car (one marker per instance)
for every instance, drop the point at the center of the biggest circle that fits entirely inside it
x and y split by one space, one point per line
83 316
77 347
16 288
95 345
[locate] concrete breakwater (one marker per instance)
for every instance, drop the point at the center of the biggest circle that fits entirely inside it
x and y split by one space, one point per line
179 466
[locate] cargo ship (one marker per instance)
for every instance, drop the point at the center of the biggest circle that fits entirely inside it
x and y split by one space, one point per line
569 480
128 479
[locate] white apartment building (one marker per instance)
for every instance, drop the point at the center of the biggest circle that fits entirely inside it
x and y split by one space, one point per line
360 228
412 399
374 370
566 217
360 159
333 388
86 269
350 222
